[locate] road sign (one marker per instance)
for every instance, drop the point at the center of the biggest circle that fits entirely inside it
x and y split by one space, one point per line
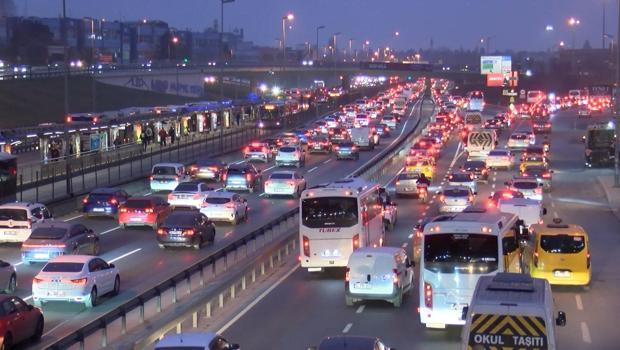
522 94
509 92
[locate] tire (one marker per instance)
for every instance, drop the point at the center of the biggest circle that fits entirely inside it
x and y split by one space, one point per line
12 285
398 301
38 331
96 248
117 286
8 342
348 300
92 301
198 245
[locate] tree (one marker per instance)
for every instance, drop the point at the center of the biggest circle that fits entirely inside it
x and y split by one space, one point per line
29 42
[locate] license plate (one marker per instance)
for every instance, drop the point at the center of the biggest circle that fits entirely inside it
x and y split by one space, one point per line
135 219
41 256
98 210
175 233
55 293
561 273
10 233
360 285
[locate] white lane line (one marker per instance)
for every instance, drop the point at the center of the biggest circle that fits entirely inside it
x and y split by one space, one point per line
360 309
405 245
148 193
555 214
327 161
494 178
394 178
19 263
456 155
578 302
347 328
28 297
585 333
313 169
553 204
432 201
257 300
125 255
410 236
493 186
419 221
262 194
271 167
75 217
110 230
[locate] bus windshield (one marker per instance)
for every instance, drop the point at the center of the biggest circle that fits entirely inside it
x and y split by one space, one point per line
329 212
461 253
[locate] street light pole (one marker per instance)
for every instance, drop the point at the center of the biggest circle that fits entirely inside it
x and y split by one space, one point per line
617 106
317 40
220 58
66 54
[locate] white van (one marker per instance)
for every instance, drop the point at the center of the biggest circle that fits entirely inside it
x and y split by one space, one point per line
378 273
529 211
511 311
166 176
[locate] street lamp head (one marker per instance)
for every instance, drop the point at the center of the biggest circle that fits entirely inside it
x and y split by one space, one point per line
562 43
290 17
144 20
367 42
175 40
573 21
397 33
549 28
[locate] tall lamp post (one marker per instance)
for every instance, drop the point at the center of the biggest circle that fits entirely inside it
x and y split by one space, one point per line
335 52
286 18
573 23
617 106
220 56
66 54
317 40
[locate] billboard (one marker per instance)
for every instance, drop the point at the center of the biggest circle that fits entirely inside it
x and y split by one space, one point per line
495 64
495 79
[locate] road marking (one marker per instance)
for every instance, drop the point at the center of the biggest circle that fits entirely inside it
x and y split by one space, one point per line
239 162
28 297
410 236
75 217
493 186
553 204
124 255
110 230
579 302
432 201
262 194
585 333
360 309
227 234
271 167
19 263
405 245
494 178
148 193
313 169
555 214
456 155
419 221
347 328
424 213
257 300
327 161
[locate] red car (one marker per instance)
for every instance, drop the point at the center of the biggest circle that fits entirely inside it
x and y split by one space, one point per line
143 211
18 321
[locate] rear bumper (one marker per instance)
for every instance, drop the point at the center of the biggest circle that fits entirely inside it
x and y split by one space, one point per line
257 156
32 256
100 211
194 203
452 208
439 318
14 235
228 216
170 242
367 296
575 279
165 186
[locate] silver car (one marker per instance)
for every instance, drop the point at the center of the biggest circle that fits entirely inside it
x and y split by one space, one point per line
455 199
8 277
463 179
289 183
407 183
49 240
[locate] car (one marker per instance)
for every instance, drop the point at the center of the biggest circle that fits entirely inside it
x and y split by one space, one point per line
421 166
291 156
143 211
463 178
350 342
189 194
503 120
17 220
195 341
185 228
519 141
500 159
424 145
378 273
257 151
347 150
383 130
319 143
529 186
55 238
492 124
289 138
541 173
273 143
77 279
407 183
455 199
8 277
225 206
331 122
532 160
478 168
389 120
288 183
242 177
584 111
302 134
104 201
207 169
433 141
166 176
338 135
541 126
19 321
502 194
362 120
320 127
535 151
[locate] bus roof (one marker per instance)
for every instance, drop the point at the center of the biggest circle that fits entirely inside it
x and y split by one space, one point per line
472 221
510 289
358 185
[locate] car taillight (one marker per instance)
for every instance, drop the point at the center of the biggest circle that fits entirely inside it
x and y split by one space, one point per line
470 198
85 200
37 280
79 281
176 178
161 231
354 148
356 242
525 174
151 178
397 183
113 201
224 176
148 210
538 190
264 149
428 295
347 275
442 198
246 150
230 205
122 210
306 246
204 204
170 196
290 183
189 232
248 177
196 196
547 175
29 223
395 277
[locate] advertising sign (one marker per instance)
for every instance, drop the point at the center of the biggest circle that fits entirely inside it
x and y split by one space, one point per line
495 64
495 79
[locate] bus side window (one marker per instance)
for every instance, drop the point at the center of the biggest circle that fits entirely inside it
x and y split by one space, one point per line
509 244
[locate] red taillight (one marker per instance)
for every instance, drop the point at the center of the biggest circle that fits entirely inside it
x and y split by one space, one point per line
538 190
79 281
85 200
230 205
547 175
224 176
470 198
290 183
113 201
356 241
525 174
68 119
347 275
395 276
248 177
176 178
37 280
264 149
189 232
246 150
354 148
397 183
442 198
122 210
148 210
161 231
428 295
29 223
306 246
151 178
204 204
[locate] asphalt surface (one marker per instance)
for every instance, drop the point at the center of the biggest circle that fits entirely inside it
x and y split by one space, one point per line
306 307
143 264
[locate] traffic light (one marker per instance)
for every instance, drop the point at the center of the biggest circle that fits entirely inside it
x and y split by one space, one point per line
185 60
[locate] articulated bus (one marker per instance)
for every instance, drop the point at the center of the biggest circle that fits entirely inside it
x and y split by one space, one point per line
456 251
336 219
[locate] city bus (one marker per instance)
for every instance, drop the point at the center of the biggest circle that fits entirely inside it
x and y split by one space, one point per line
476 101
456 251
336 219
272 115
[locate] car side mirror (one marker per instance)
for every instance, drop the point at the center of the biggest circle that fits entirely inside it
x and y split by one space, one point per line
111 266
475 193
561 320
544 211
464 313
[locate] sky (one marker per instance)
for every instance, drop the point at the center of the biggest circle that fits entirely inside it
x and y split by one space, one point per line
510 24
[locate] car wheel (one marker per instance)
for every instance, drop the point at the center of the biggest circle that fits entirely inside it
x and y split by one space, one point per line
348 300
397 302
8 342
117 286
198 244
96 248
38 331
12 285
92 299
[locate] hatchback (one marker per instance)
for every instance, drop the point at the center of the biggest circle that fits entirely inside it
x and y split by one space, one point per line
49 240
143 211
18 321
186 228
104 201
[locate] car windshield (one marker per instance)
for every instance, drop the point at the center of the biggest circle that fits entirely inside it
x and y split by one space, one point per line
138 203
562 244
63 267
525 185
186 187
329 212
287 149
498 153
461 253
455 192
164 170
281 176
14 214
474 165
48 233
99 196
459 177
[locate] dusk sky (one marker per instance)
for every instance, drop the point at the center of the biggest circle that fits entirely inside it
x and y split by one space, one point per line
451 23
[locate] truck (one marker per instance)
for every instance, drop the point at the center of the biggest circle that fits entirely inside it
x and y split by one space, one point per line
480 143
362 137
600 147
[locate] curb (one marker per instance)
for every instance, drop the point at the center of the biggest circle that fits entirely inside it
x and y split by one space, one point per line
608 195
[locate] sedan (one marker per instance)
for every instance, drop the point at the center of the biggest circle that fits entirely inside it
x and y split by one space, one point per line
463 179
290 155
8 277
189 194
478 168
347 150
19 321
77 279
207 169
143 211
455 199
501 195
104 201
407 183
528 186
383 130
186 228
288 183
500 158
541 173
519 141
319 143
49 240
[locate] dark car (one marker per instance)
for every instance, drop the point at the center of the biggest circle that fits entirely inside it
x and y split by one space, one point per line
383 130
347 150
274 144
503 120
207 169
338 135
242 177
319 144
54 238
185 228
478 168
302 135
349 342
492 124
541 126
104 201
19 321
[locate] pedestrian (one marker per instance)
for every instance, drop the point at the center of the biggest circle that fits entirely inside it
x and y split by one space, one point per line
238 117
149 134
143 140
162 137
172 135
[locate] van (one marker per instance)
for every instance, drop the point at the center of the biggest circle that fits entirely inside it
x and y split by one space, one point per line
511 311
166 176
378 273
530 211
195 341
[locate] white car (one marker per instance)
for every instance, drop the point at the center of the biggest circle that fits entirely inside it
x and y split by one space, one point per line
390 121
290 155
500 158
455 199
189 194
75 278
463 178
257 151
167 176
225 206
362 120
8 277
529 186
331 122
285 183
520 140
17 220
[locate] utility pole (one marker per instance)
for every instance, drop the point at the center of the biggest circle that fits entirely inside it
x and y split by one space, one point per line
604 30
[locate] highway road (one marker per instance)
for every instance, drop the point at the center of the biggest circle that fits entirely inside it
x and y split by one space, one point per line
306 307
142 264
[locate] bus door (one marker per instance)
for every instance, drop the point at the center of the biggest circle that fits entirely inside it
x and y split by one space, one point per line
510 252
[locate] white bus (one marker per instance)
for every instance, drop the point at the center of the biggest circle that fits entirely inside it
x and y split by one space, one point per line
336 219
456 251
